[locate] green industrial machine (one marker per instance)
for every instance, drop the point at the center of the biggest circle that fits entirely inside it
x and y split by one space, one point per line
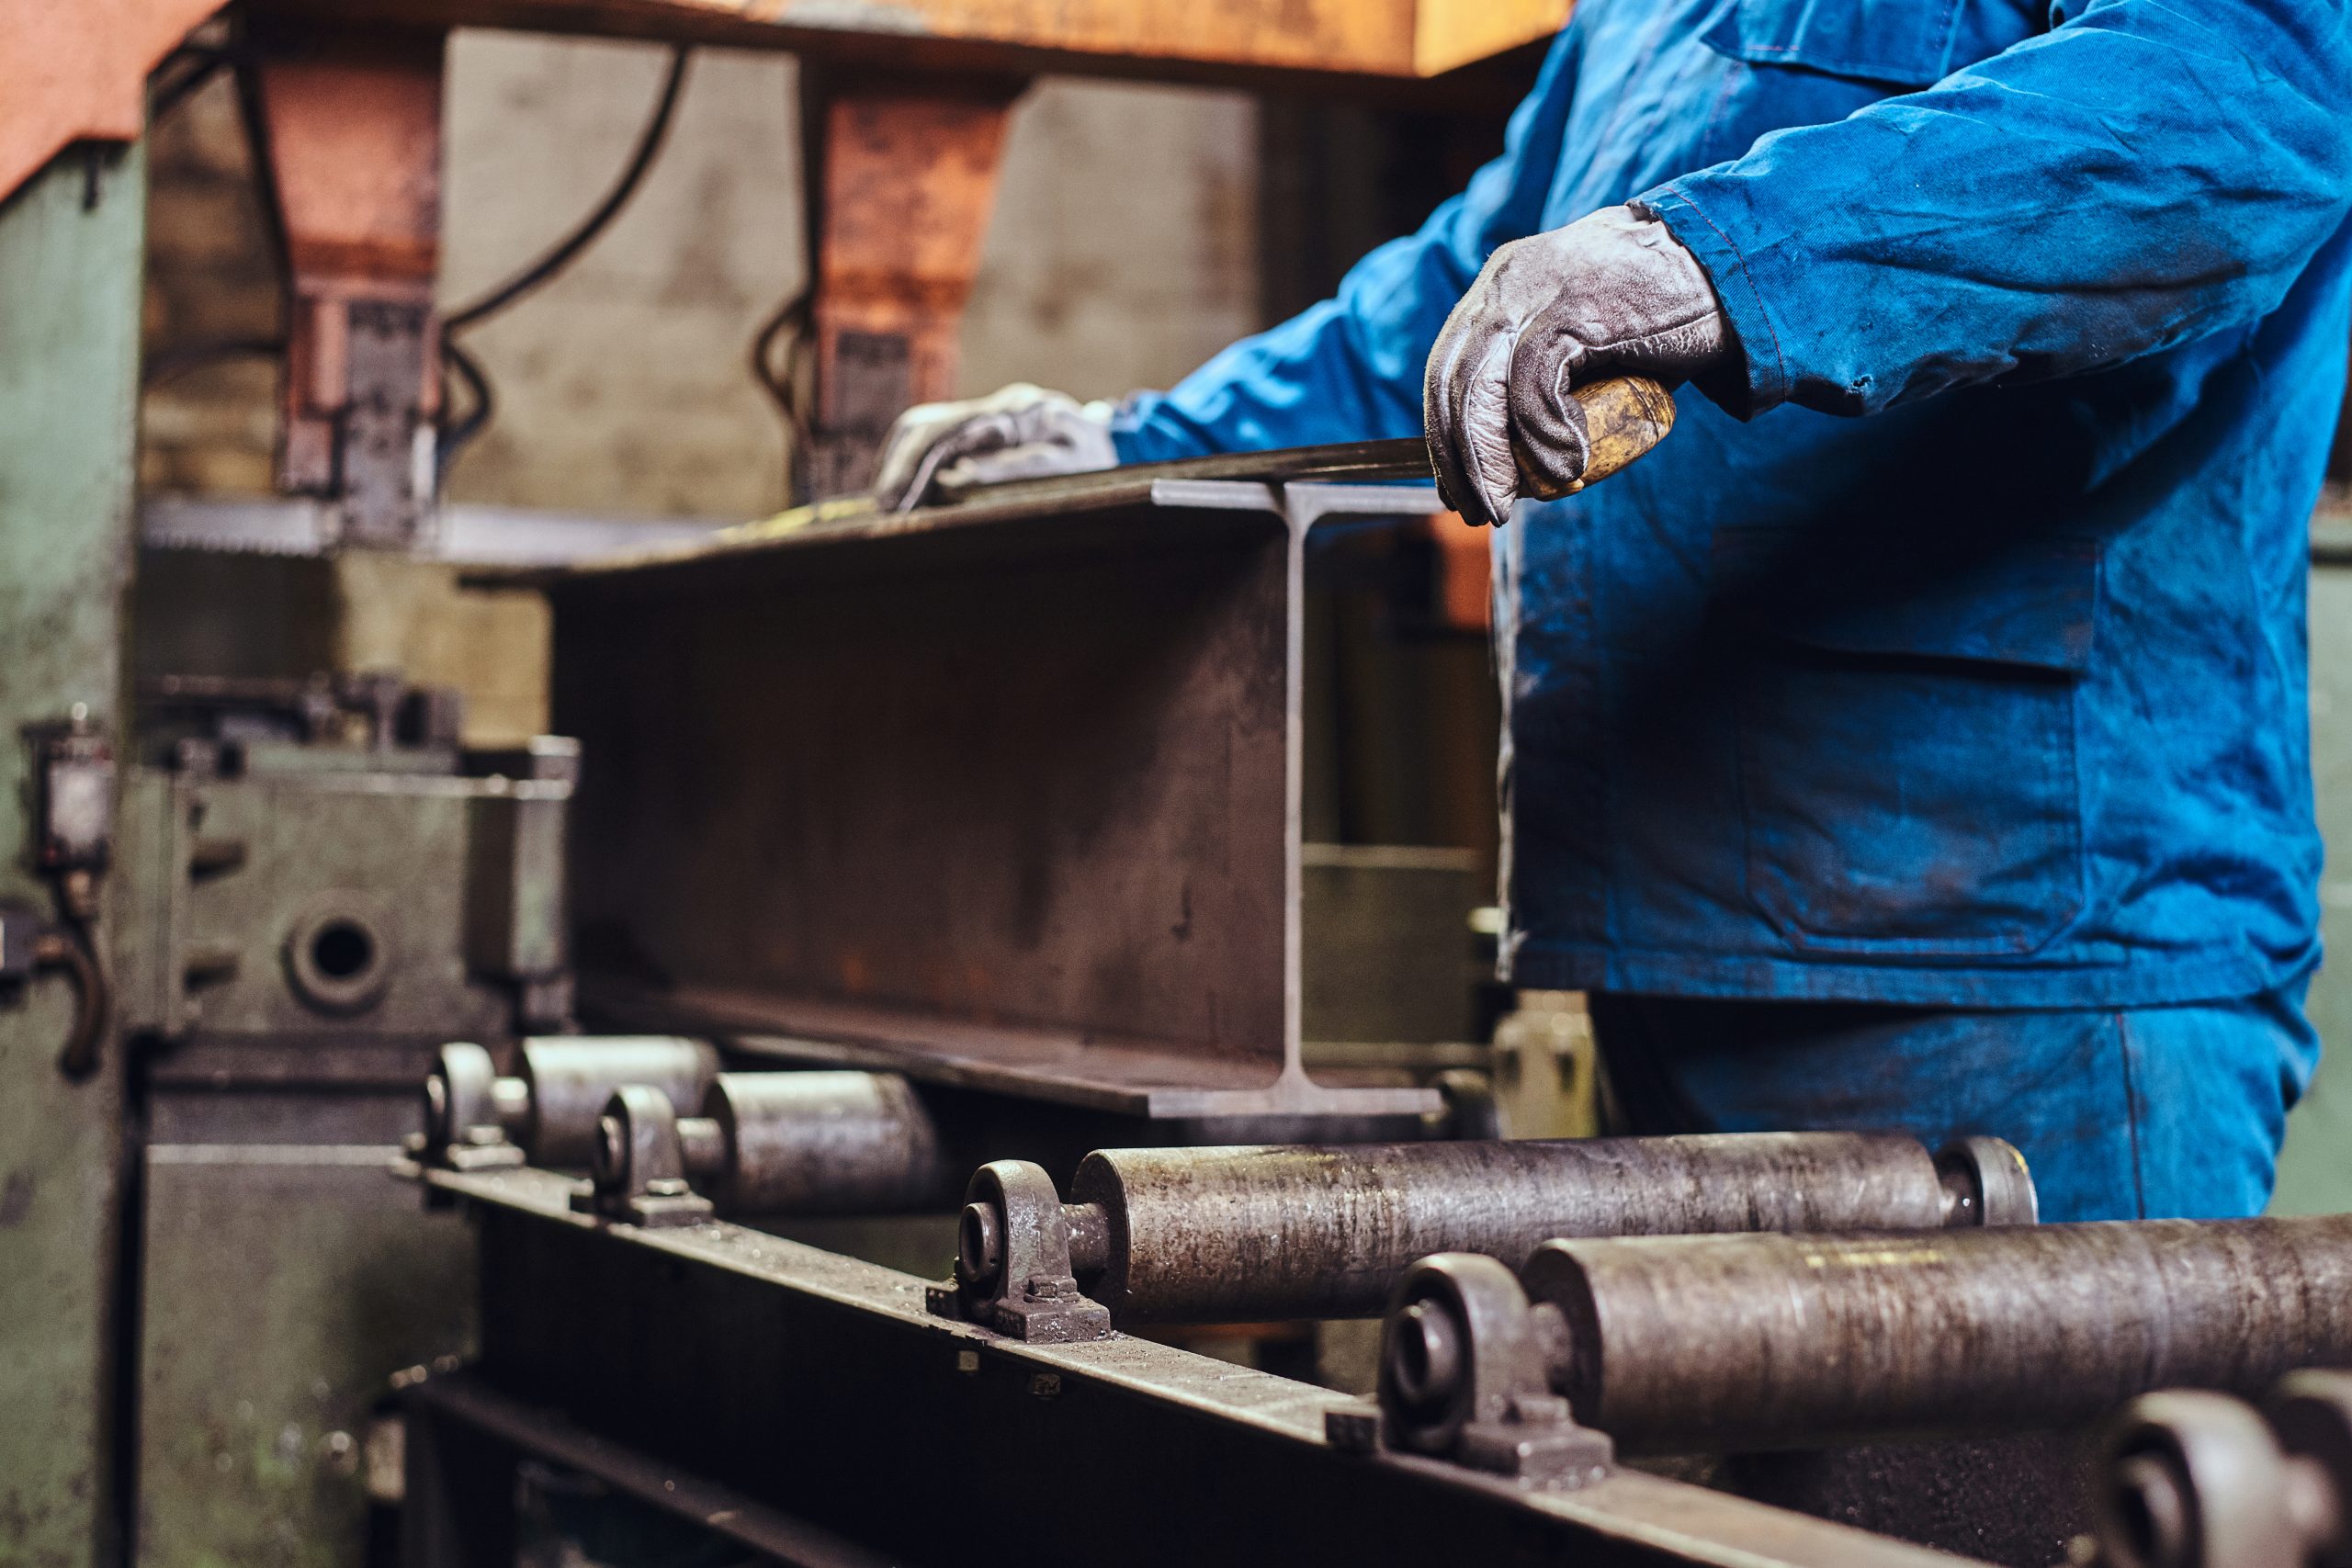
71 242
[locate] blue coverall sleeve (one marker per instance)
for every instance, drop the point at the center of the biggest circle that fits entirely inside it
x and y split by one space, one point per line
1350 368
2147 172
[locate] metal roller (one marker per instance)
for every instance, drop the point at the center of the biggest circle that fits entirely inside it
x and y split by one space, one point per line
823 1143
784 1143
1244 1234
549 1111
1716 1344
565 1083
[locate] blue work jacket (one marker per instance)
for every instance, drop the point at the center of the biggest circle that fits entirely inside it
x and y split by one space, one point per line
1951 651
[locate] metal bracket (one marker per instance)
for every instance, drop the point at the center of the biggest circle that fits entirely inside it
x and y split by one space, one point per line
1012 1268
640 1170
1465 1375
462 1128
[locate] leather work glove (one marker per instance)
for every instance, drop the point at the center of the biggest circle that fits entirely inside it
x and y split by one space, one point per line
1016 433
1611 294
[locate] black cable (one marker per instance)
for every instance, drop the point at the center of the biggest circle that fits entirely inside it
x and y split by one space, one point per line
203 65
648 146
455 438
75 950
791 317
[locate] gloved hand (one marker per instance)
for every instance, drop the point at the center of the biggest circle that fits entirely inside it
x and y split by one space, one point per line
1016 433
1611 294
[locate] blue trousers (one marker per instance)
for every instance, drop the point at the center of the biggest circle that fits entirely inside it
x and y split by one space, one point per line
2137 1115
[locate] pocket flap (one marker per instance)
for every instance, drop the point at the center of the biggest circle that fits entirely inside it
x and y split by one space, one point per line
1905 43
2033 604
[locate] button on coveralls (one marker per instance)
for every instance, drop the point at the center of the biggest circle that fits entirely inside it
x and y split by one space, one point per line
1920 738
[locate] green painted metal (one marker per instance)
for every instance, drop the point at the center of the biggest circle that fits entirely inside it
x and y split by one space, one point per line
70 246
2315 1172
286 1287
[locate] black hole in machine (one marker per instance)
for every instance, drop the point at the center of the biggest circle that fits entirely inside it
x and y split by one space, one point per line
342 949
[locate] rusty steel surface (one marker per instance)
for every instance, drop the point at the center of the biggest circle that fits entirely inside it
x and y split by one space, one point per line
825 1142
1003 794
1249 1235
1717 1344
820 1387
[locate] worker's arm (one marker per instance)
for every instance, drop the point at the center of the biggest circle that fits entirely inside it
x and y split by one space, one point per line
2148 173
1349 369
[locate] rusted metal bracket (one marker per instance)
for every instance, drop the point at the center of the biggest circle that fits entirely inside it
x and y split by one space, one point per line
640 1174
1464 1375
1014 1270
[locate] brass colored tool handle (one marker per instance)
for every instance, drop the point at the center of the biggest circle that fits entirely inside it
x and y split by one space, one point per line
1624 417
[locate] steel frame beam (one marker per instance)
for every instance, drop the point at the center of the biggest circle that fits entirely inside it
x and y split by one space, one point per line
1023 775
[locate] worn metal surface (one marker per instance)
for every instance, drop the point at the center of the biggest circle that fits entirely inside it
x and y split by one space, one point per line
825 1143
1712 1344
1003 794
820 1387
1249 1235
462 1430
70 248
285 1285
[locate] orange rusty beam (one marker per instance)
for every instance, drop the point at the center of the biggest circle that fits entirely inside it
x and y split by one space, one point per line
78 70
1254 41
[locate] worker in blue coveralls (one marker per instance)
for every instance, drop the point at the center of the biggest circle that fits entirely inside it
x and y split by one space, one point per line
1919 738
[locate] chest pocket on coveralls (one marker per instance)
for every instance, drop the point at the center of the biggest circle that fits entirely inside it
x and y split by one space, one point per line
1905 44
1908 770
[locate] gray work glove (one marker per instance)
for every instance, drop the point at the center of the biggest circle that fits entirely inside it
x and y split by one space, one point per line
1016 433
1611 294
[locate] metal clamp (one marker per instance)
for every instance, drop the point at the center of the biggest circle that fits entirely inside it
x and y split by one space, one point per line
1465 1375
1014 1268
463 1126
2198 1480
640 1175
